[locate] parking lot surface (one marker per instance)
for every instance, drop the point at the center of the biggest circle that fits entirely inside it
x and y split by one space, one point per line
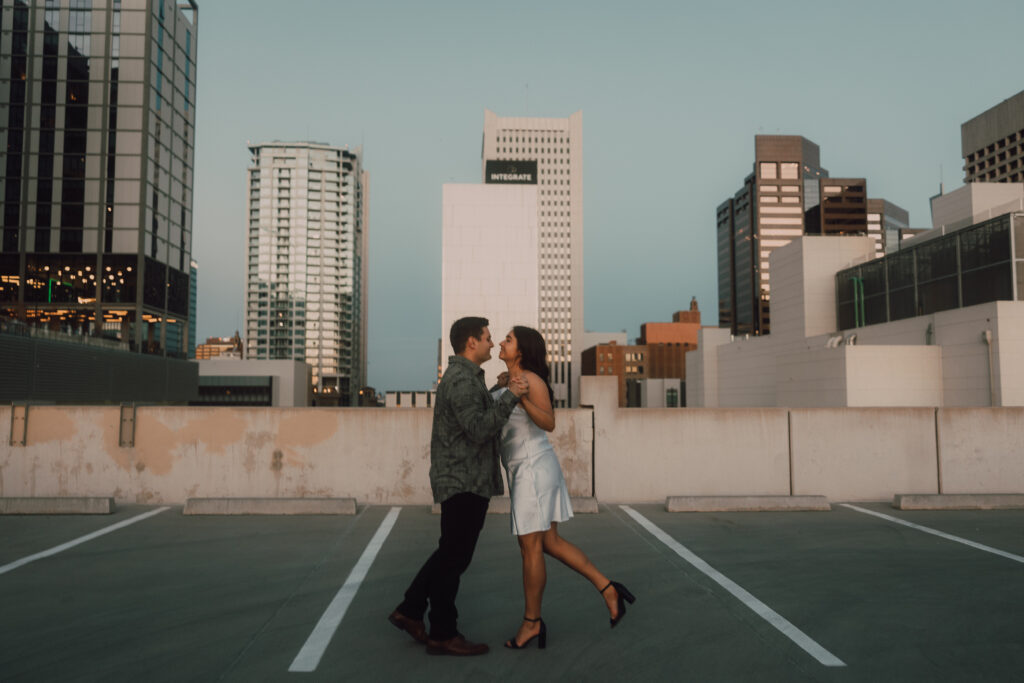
797 596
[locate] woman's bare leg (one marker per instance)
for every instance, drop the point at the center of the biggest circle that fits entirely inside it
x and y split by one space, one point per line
574 558
534 578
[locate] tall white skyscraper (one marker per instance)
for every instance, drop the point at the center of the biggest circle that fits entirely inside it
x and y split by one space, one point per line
556 145
307 263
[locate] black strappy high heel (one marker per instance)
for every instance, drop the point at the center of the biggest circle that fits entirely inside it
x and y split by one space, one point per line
541 636
624 597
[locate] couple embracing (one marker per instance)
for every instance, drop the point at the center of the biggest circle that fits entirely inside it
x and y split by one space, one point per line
472 426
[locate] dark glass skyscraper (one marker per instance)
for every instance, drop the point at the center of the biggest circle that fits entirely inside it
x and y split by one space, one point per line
97 186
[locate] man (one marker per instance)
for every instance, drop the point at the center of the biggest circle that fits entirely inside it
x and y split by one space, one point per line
464 474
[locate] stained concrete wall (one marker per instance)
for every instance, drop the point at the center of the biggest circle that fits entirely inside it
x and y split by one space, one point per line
863 453
648 454
981 450
375 456
629 454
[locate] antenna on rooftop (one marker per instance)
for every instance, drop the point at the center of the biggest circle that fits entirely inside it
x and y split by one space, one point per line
940 180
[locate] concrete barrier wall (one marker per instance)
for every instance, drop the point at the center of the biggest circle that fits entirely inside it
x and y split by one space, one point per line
375 456
646 455
862 454
981 450
630 454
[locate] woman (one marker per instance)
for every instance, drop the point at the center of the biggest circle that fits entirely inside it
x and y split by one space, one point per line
537 489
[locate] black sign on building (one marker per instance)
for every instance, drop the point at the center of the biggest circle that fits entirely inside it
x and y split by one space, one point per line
510 172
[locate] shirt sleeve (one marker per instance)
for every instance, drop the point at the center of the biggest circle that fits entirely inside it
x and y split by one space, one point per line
480 424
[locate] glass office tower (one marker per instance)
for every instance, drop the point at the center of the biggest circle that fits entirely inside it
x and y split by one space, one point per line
98 98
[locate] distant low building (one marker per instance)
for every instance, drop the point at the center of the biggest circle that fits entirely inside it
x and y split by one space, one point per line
662 393
220 347
277 383
660 353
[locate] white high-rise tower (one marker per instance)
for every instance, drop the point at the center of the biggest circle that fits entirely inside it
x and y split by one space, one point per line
557 147
307 263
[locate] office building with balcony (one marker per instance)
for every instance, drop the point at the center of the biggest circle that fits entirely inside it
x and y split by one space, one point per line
306 268
98 102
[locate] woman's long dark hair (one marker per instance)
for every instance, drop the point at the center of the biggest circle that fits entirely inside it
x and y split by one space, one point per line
533 355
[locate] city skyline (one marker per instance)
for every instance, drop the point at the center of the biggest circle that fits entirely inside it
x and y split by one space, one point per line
673 98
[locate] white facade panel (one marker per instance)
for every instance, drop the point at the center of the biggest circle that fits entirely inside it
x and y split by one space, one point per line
489 264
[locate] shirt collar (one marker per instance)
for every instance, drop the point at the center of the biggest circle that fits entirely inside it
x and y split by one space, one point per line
466 363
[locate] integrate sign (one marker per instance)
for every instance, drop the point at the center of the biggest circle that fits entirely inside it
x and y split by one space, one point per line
513 172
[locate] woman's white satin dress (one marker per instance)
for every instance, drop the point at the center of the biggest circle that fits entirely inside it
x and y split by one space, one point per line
536 486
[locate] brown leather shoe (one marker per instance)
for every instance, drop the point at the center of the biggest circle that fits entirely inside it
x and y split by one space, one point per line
414 627
457 646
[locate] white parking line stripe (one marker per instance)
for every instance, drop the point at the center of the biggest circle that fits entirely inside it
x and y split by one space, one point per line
82 539
764 611
309 656
935 532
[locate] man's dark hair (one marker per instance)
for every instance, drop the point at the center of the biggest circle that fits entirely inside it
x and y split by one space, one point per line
463 329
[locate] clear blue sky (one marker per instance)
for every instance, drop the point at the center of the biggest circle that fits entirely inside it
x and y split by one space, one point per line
672 95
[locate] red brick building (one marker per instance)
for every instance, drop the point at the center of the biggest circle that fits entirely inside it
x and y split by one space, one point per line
660 352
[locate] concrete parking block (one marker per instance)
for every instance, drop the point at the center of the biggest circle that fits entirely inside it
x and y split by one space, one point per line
959 501
747 503
57 506
270 506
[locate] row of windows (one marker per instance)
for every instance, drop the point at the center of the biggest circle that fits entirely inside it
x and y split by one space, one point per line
530 138
997 145
971 266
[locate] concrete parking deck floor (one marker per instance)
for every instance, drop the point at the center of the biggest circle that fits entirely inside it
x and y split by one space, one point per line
173 598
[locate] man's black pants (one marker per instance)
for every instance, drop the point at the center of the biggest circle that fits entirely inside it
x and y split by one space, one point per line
462 518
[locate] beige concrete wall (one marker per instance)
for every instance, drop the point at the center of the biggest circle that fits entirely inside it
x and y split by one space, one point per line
702 368
812 378
646 455
965 379
375 456
1009 361
981 450
891 376
863 453
636 455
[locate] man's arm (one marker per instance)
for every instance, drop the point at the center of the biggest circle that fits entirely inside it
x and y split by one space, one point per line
480 424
